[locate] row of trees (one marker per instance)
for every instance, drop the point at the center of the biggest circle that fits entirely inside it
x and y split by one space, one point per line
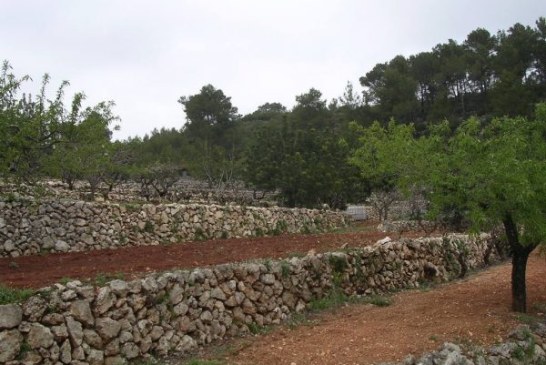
502 74
303 152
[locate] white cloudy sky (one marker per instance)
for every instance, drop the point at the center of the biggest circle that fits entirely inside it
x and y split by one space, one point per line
144 55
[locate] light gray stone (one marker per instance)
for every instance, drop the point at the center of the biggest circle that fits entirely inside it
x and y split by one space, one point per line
10 345
34 308
130 350
217 293
95 357
107 328
11 316
65 352
119 287
62 246
75 332
81 311
39 336
104 300
92 338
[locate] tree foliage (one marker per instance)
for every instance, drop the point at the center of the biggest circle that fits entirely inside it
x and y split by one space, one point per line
490 174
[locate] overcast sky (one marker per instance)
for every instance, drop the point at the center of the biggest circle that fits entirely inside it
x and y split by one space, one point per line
144 55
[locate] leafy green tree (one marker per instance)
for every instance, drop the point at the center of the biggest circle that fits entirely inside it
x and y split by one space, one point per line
210 114
43 138
387 158
492 175
304 157
393 89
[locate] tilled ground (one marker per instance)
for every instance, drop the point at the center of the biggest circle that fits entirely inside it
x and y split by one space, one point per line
39 271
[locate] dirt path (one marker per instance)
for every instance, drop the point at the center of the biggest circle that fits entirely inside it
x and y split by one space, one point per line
476 309
39 271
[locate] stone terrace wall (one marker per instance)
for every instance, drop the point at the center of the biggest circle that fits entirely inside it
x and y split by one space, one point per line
177 311
28 227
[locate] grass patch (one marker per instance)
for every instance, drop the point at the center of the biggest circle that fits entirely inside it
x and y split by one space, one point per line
203 362
13 295
377 300
256 329
102 279
334 299
528 319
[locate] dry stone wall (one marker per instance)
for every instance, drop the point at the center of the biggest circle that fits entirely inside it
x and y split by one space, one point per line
31 227
175 312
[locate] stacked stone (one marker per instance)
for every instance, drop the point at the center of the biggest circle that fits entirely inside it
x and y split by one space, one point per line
28 227
177 311
525 345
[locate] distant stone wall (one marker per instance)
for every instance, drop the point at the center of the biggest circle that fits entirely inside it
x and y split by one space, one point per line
177 311
29 227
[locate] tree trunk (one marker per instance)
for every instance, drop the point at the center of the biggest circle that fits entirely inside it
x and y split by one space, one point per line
519 291
520 254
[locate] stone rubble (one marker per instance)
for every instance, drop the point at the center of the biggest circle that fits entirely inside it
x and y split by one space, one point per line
525 345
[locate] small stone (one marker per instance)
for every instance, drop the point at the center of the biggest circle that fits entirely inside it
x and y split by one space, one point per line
61 246
95 357
92 338
104 300
119 287
130 350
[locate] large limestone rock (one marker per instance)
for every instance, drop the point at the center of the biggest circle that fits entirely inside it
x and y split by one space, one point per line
39 336
81 311
107 328
11 316
75 331
10 345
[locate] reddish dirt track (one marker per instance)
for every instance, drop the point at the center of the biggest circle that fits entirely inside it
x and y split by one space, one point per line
39 271
475 310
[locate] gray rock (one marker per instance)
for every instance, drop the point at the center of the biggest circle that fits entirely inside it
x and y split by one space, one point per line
10 345
95 357
75 332
65 352
104 300
39 336
53 319
78 353
59 332
62 246
92 338
149 284
11 316
107 328
130 350
34 308
217 293
268 279
81 311
112 348
119 287
176 295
